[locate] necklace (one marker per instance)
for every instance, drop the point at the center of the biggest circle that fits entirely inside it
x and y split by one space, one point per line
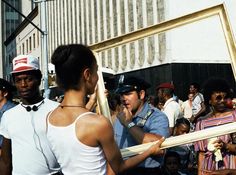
34 108
72 106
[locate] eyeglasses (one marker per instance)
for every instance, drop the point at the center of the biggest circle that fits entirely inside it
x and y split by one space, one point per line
221 97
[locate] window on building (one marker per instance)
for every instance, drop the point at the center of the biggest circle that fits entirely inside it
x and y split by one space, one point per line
23 48
30 43
34 41
9 59
8 8
27 46
38 38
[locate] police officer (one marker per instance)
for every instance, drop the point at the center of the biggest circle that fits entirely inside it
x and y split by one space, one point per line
139 122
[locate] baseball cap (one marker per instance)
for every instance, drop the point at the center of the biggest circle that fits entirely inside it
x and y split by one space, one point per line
23 63
132 84
166 85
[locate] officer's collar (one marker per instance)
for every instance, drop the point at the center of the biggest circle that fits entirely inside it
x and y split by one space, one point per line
143 111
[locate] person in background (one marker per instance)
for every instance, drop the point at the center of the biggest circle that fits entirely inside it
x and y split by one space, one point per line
88 142
172 164
176 98
6 94
114 103
25 148
171 108
198 106
216 153
186 107
139 122
186 152
151 100
234 103
158 104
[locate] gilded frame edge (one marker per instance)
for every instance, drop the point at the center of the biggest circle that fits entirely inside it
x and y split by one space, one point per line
218 10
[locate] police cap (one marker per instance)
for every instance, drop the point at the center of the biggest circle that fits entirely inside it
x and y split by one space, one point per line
132 84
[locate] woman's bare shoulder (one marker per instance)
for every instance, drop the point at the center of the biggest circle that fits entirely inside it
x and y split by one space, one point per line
95 124
98 119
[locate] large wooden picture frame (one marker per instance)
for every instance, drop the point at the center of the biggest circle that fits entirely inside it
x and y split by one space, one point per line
218 10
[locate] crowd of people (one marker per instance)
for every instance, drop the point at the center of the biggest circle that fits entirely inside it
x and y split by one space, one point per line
40 136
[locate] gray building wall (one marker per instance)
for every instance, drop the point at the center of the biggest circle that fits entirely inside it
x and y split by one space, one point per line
10 19
92 21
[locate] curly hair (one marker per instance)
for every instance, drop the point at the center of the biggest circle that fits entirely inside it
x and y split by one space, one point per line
215 84
182 120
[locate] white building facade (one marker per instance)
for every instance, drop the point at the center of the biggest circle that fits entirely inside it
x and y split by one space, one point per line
159 56
92 21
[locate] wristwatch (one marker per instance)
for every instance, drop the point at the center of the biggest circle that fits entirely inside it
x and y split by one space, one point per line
130 125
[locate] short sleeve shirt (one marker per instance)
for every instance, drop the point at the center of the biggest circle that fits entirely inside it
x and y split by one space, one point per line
172 110
31 153
209 162
6 106
157 123
196 103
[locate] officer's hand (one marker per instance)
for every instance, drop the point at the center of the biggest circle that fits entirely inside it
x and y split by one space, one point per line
124 115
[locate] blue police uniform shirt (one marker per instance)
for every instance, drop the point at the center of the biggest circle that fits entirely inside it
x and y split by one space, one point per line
6 106
157 123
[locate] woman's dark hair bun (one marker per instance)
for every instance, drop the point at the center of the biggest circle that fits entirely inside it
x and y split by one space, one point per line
60 55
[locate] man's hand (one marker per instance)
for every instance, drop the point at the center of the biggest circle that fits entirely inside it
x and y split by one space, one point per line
124 116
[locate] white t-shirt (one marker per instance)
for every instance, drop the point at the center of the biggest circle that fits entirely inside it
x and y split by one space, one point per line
172 110
196 103
74 156
31 154
187 109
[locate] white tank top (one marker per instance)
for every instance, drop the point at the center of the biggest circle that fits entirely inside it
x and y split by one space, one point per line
74 157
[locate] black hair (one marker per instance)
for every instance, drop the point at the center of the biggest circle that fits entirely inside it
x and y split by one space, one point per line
70 61
7 87
182 120
9 93
113 100
171 154
156 101
215 84
195 85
